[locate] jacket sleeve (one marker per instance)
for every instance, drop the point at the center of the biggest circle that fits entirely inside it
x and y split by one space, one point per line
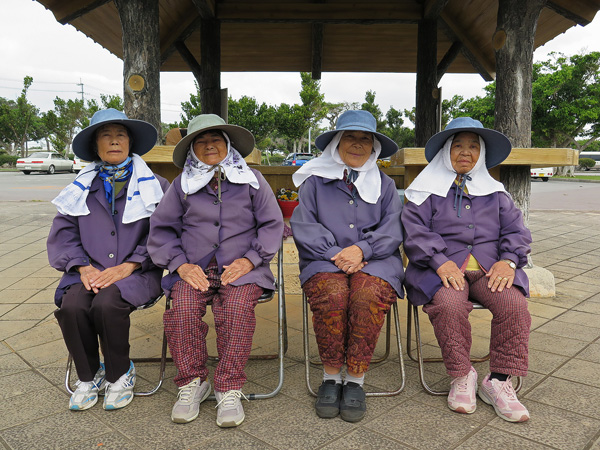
385 239
65 250
269 224
166 223
140 254
423 247
515 238
313 240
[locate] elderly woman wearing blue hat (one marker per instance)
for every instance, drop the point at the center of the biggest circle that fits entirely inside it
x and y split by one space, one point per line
347 230
98 239
466 238
216 231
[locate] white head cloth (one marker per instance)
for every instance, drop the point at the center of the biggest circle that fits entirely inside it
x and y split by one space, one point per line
196 174
330 165
438 176
143 192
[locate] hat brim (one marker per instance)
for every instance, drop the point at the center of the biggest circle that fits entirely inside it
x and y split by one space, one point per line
144 137
388 146
241 139
497 145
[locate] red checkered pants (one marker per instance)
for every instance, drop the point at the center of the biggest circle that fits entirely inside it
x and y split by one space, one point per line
348 312
449 314
233 310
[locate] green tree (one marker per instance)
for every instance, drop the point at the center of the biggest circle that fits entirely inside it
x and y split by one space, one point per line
370 105
258 119
335 110
106 101
191 108
395 129
63 122
17 118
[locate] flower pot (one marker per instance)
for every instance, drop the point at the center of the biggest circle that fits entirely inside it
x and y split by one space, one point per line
287 207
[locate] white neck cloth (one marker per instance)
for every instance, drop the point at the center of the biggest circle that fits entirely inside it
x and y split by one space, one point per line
196 174
143 192
438 176
329 165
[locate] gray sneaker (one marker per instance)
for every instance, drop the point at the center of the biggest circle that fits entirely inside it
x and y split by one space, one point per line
187 406
86 394
230 412
120 393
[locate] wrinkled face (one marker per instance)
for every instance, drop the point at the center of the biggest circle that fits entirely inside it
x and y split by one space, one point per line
464 152
112 141
210 147
355 147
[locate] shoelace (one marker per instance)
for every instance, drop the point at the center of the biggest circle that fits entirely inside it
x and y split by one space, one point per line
507 387
230 399
185 393
86 385
461 383
121 383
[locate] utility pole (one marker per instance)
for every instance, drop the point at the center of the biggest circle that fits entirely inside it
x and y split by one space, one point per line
81 85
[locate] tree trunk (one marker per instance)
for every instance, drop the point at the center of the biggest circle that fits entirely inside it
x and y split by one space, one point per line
426 103
514 65
210 62
141 60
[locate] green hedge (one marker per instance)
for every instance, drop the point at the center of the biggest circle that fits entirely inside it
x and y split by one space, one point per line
12 160
586 163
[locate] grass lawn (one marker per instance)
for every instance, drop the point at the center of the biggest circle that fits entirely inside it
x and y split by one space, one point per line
582 177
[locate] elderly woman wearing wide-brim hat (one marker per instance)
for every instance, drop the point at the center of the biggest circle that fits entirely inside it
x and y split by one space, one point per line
347 230
216 231
464 237
98 239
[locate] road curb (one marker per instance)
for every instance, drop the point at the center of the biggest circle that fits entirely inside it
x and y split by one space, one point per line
574 180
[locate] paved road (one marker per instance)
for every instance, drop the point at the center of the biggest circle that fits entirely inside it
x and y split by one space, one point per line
559 195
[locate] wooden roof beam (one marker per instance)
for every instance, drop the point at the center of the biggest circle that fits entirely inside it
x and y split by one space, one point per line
433 8
189 59
206 8
67 11
486 68
375 12
448 58
580 12
189 25
317 50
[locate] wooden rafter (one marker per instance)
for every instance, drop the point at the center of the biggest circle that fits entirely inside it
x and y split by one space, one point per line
189 59
433 8
180 32
67 11
566 9
450 56
206 8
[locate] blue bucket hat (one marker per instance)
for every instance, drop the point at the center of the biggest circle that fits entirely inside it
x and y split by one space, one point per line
497 145
358 121
143 134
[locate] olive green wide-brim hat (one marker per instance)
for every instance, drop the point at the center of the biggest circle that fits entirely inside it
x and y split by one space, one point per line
241 139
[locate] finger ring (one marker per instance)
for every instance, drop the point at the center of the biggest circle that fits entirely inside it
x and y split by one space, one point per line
505 278
499 278
450 278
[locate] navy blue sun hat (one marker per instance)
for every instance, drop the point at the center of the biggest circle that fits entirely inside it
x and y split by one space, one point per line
144 135
358 121
497 145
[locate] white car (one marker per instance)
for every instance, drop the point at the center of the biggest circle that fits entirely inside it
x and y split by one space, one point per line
49 162
545 173
79 164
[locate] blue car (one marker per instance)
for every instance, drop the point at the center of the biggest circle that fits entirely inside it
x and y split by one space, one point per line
297 159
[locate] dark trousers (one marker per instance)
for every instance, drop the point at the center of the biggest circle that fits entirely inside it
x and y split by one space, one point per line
83 318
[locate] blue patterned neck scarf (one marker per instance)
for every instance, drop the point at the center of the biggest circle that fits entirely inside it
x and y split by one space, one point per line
111 174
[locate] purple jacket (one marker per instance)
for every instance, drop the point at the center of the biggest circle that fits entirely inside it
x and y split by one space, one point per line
329 219
103 241
490 228
195 228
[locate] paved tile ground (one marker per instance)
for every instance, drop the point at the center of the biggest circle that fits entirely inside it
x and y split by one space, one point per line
562 390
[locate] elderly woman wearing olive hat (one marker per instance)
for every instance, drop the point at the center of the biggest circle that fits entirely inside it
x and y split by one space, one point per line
98 239
216 231
466 238
347 230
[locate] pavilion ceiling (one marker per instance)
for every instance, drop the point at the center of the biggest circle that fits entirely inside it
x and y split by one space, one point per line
322 35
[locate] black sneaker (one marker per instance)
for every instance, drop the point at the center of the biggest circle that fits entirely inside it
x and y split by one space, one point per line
353 405
328 399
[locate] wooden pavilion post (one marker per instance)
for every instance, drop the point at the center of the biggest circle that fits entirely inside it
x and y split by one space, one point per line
513 42
427 92
141 59
210 64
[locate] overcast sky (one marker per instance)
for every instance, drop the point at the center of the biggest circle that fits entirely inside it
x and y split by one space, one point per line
59 58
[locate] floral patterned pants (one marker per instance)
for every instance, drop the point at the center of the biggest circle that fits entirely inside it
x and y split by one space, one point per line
348 313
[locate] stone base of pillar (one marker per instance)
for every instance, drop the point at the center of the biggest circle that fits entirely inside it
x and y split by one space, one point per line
541 282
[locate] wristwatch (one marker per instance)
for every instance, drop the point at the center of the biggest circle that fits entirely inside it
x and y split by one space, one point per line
512 265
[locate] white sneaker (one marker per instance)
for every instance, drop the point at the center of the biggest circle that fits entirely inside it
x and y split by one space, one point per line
86 394
187 406
462 393
120 393
230 412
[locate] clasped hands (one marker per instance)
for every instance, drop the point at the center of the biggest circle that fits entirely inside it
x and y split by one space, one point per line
196 278
94 279
350 259
500 276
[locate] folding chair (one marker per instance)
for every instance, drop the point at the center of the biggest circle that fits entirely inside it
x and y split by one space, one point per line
163 359
308 362
421 361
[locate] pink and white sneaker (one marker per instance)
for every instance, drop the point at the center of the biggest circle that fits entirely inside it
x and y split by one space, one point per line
502 396
462 393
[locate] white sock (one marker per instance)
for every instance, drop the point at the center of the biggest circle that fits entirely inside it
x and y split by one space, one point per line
358 380
337 377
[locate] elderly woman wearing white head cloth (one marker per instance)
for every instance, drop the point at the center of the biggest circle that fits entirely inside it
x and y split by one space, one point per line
98 239
347 230
216 231
466 238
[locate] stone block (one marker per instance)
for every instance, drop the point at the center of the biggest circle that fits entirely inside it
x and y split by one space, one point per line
541 282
